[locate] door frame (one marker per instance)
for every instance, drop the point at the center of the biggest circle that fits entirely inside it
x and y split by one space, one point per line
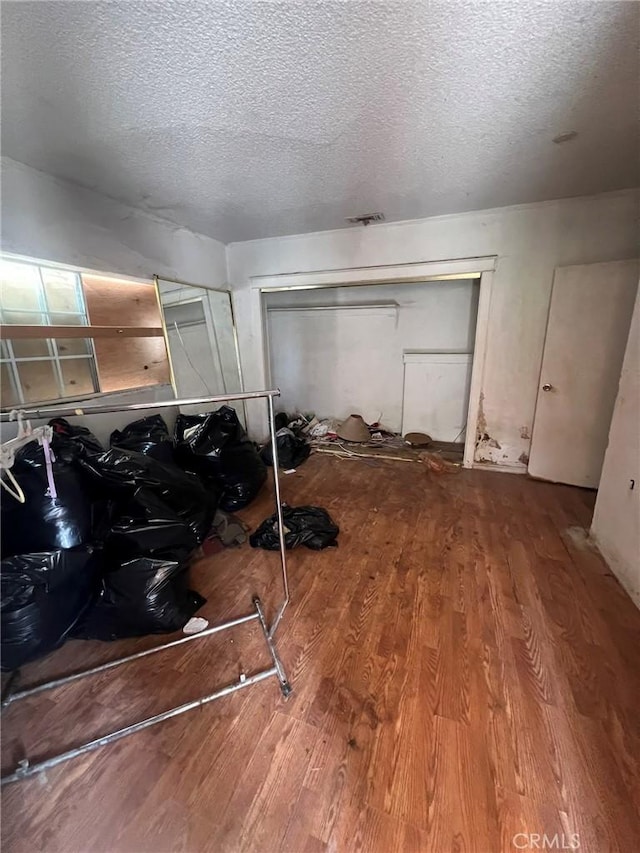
480 268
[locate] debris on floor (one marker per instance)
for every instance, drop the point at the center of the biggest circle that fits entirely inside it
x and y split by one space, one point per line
354 429
195 625
292 440
438 464
418 439
376 442
292 450
228 529
311 526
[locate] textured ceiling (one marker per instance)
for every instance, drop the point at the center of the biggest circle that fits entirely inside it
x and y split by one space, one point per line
251 119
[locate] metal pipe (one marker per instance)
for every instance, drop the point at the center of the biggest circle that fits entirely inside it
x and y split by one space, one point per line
281 534
67 679
342 307
25 769
187 284
72 411
11 682
282 678
236 344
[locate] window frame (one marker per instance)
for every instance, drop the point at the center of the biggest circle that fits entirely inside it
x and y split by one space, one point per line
53 356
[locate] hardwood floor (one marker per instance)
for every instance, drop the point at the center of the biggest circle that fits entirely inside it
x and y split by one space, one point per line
465 668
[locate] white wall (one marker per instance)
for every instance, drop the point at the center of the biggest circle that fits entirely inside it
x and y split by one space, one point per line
529 241
335 362
616 520
53 220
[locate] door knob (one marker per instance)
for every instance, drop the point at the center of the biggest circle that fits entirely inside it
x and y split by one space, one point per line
547 387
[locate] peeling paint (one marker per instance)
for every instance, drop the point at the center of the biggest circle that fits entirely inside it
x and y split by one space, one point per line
524 432
481 426
524 458
485 440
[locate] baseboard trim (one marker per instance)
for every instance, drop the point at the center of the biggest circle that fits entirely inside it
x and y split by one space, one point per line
500 469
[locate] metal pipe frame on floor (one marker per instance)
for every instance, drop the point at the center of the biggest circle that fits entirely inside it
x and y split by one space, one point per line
25 769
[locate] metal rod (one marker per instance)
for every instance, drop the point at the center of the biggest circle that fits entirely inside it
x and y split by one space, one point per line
67 679
236 344
13 679
48 358
27 769
24 769
281 534
342 307
187 284
282 678
71 411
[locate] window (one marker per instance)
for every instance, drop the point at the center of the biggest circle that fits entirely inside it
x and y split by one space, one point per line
69 334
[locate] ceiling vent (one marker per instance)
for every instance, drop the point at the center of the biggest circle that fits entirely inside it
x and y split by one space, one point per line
365 219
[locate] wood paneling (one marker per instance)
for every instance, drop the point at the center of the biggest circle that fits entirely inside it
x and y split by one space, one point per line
131 363
112 301
464 667
136 361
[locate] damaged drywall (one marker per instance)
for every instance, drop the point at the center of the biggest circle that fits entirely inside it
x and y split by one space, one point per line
495 451
485 442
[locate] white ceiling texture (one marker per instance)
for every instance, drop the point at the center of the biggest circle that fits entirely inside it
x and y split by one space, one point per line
246 119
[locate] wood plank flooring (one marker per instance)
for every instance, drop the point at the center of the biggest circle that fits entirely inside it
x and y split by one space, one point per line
465 668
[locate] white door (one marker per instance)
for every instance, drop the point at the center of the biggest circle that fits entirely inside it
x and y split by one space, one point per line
589 319
436 394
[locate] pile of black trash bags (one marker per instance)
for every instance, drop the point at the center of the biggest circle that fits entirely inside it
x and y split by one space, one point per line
291 442
108 557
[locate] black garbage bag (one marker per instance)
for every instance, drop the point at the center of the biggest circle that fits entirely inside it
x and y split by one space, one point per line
292 451
42 597
45 523
70 440
141 596
71 443
120 473
148 435
303 525
145 526
216 448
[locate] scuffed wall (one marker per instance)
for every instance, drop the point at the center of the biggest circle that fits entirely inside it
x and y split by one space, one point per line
53 220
